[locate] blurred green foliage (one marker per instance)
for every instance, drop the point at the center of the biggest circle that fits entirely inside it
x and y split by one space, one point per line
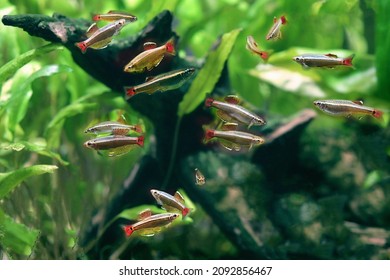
47 101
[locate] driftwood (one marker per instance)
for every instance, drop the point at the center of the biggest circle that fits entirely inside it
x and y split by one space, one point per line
106 66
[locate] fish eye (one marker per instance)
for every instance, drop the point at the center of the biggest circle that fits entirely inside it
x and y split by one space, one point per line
297 58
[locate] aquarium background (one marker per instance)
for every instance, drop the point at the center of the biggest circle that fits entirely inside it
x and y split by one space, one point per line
319 188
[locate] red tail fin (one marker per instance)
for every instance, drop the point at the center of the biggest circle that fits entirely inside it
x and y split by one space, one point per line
130 92
128 230
170 47
283 19
82 46
209 134
377 114
209 102
96 17
140 140
348 61
264 55
185 212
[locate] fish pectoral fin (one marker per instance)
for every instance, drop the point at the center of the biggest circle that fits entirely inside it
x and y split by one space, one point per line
223 116
92 29
149 45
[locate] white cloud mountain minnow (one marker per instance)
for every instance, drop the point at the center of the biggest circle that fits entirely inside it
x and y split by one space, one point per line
323 60
346 108
252 46
230 110
199 178
232 139
275 33
166 81
150 57
115 145
148 224
115 15
115 128
99 38
171 203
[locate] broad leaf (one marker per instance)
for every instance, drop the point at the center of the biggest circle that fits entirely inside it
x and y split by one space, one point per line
10 180
9 69
209 75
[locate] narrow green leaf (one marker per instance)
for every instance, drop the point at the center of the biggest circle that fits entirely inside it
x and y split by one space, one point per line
11 67
209 75
10 180
15 237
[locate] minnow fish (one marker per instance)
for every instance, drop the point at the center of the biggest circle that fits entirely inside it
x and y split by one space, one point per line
275 33
234 140
347 108
150 57
171 203
99 38
115 128
252 46
148 224
199 178
230 110
323 60
164 82
115 145
114 15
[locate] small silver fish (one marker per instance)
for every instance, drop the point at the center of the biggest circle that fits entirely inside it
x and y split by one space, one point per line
199 178
115 15
115 145
171 203
230 110
323 60
275 33
347 108
115 128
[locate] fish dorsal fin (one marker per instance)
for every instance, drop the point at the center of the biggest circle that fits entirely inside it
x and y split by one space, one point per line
331 55
147 79
149 45
179 197
92 29
232 99
121 117
275 19
358 102
229 126
144 214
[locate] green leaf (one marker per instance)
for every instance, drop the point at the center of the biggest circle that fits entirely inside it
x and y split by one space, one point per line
21 93
14 65
209 75
38 147
54 128
15 237
10 180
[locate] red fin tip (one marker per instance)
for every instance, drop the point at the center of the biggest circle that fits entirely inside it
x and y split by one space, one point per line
128 230
138 128
209 102
209 134
283 19
96 17
130 91
348 61
185 212
81 46
170 47
377 114
140 140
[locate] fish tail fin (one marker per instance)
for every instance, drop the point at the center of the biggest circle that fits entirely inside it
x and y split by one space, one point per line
138 128
96 17
130 92
128 230
82 46
185 212
348 61
377 114
170 47
283 19
264 56
209 102
209 134
141 140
